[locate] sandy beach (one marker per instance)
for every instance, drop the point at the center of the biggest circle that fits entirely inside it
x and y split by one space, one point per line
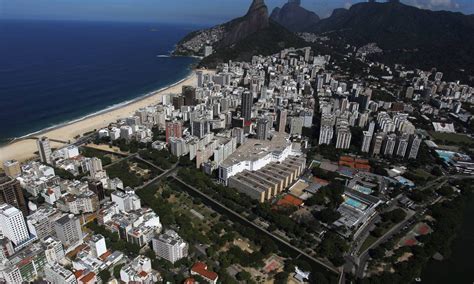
24 149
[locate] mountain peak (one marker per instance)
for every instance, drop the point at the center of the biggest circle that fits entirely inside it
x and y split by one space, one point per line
294 2
294 17
255 20
256 5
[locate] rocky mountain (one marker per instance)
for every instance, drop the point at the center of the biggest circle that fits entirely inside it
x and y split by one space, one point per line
408 35
294 17
255 20
239 39
226 34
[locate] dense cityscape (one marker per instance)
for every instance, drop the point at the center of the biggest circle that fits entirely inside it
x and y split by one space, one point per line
315 164
349 173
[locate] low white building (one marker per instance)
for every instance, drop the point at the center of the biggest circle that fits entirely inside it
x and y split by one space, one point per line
256 154
127 201
56 274
138 271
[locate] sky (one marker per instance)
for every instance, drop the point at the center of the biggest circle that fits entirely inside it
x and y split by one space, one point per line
204 12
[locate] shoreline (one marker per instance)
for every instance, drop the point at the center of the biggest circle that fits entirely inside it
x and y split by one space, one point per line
100 112
24 148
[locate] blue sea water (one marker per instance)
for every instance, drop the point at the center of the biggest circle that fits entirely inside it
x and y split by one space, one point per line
52 72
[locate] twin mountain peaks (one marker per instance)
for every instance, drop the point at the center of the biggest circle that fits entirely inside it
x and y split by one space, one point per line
432 38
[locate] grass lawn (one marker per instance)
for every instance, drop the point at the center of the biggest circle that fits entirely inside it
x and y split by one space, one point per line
422 173
372 239
451 138
367 243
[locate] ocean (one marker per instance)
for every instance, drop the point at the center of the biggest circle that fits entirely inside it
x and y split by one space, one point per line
54 72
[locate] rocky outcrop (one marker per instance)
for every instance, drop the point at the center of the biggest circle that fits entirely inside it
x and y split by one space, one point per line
256 19
294 17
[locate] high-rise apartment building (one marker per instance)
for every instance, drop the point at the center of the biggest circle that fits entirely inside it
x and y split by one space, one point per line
414 145
366 142
11 193
282 115
12 168
170 246
95 167
296 125
402 145
13 225
200 128
389 144
174 129
97 187
68 230
189 94
262 129
44 150
377 143
246 105
344 137
326 134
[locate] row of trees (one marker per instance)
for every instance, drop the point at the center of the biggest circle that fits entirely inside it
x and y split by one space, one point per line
162 158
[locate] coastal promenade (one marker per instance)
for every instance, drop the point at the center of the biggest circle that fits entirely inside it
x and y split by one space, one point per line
25 148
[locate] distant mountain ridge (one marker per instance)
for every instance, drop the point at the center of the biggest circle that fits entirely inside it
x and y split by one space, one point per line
241 38
409 34
294 17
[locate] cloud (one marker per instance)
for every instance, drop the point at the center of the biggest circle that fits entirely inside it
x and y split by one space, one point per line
446 3
434 4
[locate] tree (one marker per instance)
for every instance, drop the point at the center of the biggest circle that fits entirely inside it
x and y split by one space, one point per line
243 276
436 171
395 216
377 253
281 277
445 191
104 275
117 269
327 215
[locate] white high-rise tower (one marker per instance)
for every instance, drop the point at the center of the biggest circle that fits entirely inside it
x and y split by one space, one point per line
13 225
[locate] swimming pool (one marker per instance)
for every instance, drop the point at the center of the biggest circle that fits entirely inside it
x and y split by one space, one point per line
363 189
445 155
355 203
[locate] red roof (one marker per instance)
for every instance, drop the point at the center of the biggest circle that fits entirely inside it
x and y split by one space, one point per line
349 164
189 281
78 273
106 254
143 274
290 200
320 181
88 277
362 161
362 166
423 230
346 158
201 269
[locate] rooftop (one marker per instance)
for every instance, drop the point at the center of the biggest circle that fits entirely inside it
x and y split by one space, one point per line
255 149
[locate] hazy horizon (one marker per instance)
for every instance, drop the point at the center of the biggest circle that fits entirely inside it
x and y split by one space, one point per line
182 11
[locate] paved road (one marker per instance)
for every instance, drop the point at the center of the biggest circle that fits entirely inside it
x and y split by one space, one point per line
364 256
